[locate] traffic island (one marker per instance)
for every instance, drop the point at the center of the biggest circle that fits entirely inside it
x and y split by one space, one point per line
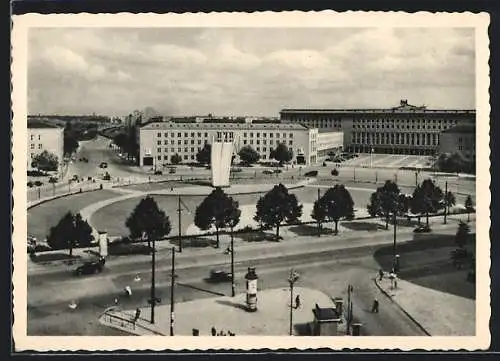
231 316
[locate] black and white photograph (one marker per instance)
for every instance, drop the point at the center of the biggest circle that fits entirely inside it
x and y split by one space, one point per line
245 175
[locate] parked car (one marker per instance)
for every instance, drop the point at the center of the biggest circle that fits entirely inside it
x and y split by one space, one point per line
103 165
267 171
422 229
218 275
277 171
312 173
90 267
75 178
335 172
158 172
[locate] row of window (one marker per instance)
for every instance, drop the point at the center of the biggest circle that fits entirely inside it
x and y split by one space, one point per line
192 157
396 138
33 137
337 122
32 146
245 135
264 142
392 126
194 149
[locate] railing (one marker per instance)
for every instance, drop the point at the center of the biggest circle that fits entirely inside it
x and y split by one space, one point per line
129 323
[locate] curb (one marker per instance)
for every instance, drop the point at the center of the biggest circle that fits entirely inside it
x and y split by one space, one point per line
375 280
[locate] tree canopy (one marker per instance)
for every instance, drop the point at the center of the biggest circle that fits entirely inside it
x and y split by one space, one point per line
385 201
204 154
449 201
281 153
276 206
45 161
469 206
248 155
218 210
148 220
175 159
70 232
335 204
427 199
462 234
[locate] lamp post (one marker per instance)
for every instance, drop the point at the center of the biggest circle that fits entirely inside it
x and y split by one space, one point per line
153 299
349 308
292 278
232 264
179 218
445 200
319 208
172 298
394 242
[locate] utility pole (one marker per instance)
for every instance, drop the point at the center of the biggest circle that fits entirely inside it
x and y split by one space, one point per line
349 309
153 298
394 242
445 200
416 179
179 217
232 264
354 174
319 208
294 276
172 298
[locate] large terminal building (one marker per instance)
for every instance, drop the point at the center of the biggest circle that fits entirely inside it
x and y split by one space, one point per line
406 129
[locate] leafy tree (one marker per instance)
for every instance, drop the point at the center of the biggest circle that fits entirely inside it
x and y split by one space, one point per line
469 206
218 210
120 140
404 204
70 143
204 154
335 204
45 161
248 155
71 231
449 201
277 206
462 235
175 159
147 220
281 153
385 201
427 199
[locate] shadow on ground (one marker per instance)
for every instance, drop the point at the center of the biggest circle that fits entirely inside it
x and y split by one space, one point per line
363 226
310 230
237 305
195 242
427 262
52 257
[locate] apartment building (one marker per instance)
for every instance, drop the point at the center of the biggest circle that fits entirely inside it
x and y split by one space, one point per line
42 136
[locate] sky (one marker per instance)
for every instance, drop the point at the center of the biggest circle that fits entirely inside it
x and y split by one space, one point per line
247 71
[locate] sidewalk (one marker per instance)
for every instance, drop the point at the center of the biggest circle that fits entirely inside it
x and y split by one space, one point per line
439 313
227 314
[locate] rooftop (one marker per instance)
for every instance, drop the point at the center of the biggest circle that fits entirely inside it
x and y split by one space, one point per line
32 124
229 125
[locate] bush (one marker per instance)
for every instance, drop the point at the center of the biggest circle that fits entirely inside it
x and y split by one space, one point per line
38 183
30 184
53 180
335 172
121 249
36 173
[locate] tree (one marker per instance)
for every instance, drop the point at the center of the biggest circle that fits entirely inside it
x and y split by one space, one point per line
248 155
70 143
281 153
462 235
335 204
175 159
385 201
277 206
45 161
71 231
218 210
469 206
147 220
449 201
427 199
204 154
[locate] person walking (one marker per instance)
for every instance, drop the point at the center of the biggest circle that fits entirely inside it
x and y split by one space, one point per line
214 331
380 274
137 314
375 306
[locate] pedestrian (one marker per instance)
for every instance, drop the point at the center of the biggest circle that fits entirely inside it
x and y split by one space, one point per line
214 331
137 314
380 274
395 281
171 189
116 301
297 302
375 306
128 291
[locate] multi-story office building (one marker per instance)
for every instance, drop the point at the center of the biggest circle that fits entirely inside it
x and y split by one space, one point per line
43 136
406 129
159 141
460 139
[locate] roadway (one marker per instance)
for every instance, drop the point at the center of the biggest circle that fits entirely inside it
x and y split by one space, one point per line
324 264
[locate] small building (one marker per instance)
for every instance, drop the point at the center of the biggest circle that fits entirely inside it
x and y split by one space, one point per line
43 136
326 321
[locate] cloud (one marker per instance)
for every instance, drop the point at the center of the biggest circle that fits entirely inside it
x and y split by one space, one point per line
247 71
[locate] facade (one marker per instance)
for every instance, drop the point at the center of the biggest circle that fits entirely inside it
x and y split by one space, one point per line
42 136
159 141
406 129
460 139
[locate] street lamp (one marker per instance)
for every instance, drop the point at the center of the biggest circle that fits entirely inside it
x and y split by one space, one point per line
292 278
232 263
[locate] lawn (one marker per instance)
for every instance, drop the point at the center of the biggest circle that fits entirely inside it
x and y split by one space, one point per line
46 215
428 264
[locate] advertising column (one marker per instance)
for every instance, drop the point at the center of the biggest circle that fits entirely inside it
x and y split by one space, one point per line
252 281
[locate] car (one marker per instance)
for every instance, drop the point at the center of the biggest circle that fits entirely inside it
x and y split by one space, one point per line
90 267
75 177
335 172
312 173
103 165
277 171
158 172
267 171
422 229
219 275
